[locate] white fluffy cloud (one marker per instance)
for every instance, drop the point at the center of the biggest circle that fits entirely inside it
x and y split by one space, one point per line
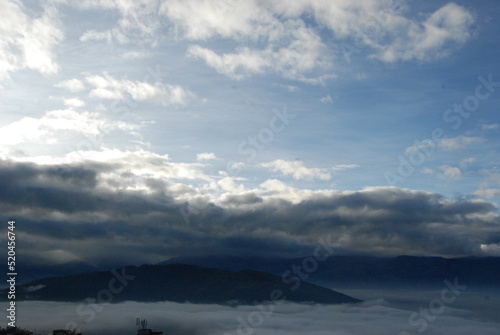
57 127
491 126
138 22
73 85
433 38
74 102
450 172
274 37
446 144
139 166
291 44
296 53
106 86
488 193
326 99
297 170
341 167
28 42
203 19
206 156
459 142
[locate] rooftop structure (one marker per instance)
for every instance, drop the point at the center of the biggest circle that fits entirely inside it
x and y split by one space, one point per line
64 332
142 323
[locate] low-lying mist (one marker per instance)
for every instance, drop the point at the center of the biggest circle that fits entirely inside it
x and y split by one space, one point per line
399 313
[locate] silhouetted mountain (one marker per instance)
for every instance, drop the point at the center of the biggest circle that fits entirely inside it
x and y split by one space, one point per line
232 262
179 283
366 271
27 273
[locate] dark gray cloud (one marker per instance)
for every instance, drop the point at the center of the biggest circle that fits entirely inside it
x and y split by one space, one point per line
88 212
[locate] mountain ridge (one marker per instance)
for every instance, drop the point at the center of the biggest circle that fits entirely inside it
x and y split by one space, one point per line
357 271
178 283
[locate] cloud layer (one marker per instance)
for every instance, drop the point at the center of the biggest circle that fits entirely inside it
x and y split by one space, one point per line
370 318
274 36
140 202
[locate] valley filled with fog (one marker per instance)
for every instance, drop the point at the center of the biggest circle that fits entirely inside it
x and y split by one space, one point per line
398 312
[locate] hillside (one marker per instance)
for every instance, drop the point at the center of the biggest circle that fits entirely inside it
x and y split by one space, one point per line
178 283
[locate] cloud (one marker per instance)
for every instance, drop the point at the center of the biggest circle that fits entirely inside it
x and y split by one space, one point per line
73 85
201 20
206 156
425 144
341 167
450 172
302 49
58 256
110 35
108 87
491 249
459 142
141 164
291 48
276 38
446 144
55 125
375 317
74 102
297 170
436 37
464 163
489 186
382 27
28 42
236 65
136 54
92 203
138 22
105 86
289 88
490 126
292 61
488 193
326 99
427 171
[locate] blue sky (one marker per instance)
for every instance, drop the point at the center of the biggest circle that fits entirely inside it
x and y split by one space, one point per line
276 101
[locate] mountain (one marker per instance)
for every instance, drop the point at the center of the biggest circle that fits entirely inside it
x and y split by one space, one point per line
366 271
27 273
232 262
178 283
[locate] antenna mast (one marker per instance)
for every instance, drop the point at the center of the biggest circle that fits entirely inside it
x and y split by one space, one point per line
141 323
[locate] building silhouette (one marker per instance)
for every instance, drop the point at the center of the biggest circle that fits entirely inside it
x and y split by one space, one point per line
142 324
64 332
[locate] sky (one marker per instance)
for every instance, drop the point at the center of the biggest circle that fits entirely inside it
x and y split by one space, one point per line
135 131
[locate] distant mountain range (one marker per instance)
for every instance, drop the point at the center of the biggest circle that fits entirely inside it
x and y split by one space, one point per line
364 271
243 279
178 283
29 272
336 271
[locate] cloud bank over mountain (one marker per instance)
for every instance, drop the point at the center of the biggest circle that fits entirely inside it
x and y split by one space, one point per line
140 204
